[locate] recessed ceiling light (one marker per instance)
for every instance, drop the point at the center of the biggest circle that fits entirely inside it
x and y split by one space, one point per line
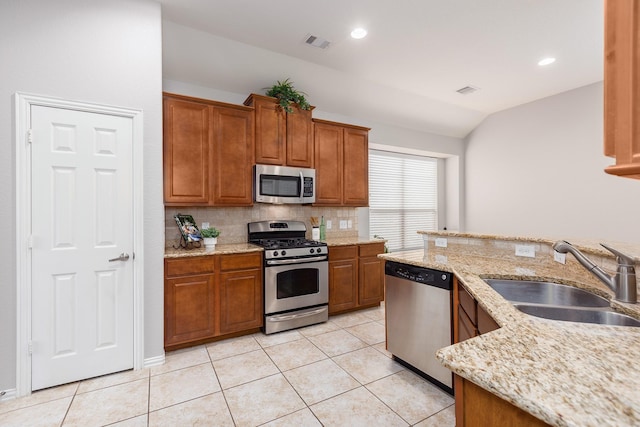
546 61
358 33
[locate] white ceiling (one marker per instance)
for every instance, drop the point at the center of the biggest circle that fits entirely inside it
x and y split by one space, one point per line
407 70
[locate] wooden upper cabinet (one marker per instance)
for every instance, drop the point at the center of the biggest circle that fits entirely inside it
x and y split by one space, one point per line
328 141
186 151
622 87
282 138
356 167
208 152
342 164
232 157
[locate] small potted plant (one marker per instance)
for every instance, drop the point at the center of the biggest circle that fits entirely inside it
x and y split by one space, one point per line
210 237
287 94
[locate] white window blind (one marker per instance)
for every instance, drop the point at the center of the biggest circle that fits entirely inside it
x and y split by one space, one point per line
403 197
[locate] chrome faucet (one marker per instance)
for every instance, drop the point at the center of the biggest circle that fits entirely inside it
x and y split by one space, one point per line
623 283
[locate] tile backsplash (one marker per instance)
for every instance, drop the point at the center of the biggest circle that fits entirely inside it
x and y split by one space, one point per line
232 222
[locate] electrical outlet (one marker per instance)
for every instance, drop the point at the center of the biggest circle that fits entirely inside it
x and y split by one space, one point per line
558 257
328 224
205 225
349 224
441 242
343 224
528 251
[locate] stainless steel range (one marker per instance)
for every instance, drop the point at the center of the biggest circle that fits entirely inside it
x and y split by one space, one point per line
296 275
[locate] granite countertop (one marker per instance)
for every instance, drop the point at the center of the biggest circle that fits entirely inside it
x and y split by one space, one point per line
346 241
230 248
237 248
565 373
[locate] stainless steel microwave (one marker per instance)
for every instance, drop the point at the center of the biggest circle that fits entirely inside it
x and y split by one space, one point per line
284 184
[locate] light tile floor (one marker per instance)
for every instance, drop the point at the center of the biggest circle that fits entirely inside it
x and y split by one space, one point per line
336 373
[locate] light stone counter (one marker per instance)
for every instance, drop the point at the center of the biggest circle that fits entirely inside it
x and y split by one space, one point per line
567 374
233 248
347 241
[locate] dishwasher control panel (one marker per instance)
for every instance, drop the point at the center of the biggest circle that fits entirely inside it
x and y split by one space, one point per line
427 276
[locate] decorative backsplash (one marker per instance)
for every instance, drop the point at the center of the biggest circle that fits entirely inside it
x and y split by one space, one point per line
232 222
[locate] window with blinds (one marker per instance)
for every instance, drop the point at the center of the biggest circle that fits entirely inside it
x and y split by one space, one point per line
403 197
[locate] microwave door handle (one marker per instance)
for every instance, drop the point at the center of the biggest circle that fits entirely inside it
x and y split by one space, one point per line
301 187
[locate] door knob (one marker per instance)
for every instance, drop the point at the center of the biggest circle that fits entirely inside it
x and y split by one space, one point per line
122 257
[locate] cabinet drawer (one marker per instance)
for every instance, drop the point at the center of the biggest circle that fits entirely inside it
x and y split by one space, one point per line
343 252
371 249
485 322
467 303
189 265
240 261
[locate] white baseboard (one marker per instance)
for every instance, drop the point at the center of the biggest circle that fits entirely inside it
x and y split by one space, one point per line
153 361
8 395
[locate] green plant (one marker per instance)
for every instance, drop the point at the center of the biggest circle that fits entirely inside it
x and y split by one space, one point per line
287 94
210 232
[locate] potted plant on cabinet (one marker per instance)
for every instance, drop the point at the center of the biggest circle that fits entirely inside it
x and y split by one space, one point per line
210 237
287 94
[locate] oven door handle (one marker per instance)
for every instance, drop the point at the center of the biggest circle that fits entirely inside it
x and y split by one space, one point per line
296 260
286 317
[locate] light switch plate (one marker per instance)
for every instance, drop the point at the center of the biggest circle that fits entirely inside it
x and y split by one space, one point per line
328 224
558 257
343 224
205 225
441 242
528 251
349 224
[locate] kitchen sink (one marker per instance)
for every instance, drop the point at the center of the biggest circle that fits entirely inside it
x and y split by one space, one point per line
559 302
583 315
538 292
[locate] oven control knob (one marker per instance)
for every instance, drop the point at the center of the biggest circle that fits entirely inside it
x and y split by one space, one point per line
275 253
319 250
283 253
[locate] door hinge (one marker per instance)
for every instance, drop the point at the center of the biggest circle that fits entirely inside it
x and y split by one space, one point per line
30 242
29 136
30 348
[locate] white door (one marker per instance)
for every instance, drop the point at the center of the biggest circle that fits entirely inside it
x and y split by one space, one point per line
82 217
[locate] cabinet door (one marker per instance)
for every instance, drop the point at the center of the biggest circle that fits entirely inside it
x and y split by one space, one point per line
466 328
299 138
271 131
356 174
328 141
186 152
370 281
232 156
241 305
621 78
189 309
343 282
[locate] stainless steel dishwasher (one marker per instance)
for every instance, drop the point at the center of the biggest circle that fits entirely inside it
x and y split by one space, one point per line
418 318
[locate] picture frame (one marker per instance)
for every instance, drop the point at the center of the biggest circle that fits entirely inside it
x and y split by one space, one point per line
188 228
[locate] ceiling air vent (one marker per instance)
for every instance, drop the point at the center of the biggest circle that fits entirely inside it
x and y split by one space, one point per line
316 41
468 90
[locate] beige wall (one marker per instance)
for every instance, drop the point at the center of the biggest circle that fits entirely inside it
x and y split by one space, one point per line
537 170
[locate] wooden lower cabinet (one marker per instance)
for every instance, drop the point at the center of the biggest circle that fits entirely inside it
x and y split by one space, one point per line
370 274
211 296
241 295
189 308
484 409
343 278
189 300
356 277
475 406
